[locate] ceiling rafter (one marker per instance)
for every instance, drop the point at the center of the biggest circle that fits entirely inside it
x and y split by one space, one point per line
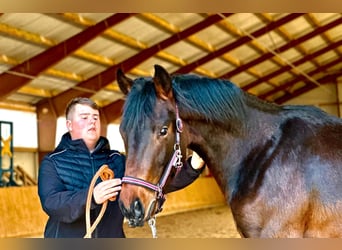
14 105
101 80
50 72
193 39
288 37
157 22
42 61
307 87
308 57
38 39
232 29
283 48
291 82
316 23
191 66
251 69
125 40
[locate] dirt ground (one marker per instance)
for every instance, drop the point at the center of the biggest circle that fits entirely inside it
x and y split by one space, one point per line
215 222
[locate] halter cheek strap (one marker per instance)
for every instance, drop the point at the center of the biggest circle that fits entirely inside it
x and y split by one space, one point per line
174 162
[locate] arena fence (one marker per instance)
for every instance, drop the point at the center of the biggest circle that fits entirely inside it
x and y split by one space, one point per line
22 215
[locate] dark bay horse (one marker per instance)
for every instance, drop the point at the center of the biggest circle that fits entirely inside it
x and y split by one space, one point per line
279 167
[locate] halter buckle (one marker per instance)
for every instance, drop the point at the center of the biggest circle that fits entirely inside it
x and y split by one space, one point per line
178 163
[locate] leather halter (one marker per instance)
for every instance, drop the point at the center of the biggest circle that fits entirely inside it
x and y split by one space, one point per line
174 162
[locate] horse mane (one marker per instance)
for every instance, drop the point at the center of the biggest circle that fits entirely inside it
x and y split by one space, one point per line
139 104
215 100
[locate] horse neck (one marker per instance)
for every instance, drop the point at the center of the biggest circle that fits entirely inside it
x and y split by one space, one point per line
260 120
222 147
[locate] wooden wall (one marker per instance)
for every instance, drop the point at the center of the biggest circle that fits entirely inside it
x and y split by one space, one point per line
21 214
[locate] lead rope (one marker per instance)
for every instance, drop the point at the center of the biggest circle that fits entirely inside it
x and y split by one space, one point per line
152 224
105 173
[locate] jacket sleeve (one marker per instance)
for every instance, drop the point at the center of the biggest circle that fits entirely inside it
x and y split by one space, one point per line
184 177
59 203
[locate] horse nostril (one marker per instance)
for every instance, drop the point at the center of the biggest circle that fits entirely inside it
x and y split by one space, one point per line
138 209
134 214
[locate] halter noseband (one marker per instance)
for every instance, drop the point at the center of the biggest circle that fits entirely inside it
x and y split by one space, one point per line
174 162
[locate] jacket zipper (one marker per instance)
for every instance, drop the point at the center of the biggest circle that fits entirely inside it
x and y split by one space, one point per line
95 233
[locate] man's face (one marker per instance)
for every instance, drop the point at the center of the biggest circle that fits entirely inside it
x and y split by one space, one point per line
85 124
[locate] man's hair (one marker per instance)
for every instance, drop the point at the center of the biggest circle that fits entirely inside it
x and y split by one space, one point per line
79 100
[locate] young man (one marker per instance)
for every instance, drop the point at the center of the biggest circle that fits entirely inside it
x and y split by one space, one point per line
65 175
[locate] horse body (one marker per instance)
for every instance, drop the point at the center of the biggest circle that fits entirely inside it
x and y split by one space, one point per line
279 182
280 167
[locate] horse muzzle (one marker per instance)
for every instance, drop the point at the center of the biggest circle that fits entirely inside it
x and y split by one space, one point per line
135 214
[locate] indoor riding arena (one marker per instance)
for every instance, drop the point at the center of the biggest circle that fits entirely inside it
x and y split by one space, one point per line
48 59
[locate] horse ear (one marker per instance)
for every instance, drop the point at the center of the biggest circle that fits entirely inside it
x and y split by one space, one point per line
162 83
124 82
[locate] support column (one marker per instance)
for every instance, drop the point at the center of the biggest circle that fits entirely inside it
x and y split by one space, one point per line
47 125
6 153
339 97
104 124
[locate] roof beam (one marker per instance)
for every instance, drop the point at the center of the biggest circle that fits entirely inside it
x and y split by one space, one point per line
309 86
283 48
308 57
316 23
282 31
188 68
301 77
99 81
123 39
194 40
46 59
145 54
113 35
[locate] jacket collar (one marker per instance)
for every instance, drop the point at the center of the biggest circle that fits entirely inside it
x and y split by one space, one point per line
79 144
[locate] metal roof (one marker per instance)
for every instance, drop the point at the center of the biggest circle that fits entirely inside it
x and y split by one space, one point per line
49 58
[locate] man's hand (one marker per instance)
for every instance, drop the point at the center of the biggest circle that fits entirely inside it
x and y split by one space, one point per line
106 189
196 161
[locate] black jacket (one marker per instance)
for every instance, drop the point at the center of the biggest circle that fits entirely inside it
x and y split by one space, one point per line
63 183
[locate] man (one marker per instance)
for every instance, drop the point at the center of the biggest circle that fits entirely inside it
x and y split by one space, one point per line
65 175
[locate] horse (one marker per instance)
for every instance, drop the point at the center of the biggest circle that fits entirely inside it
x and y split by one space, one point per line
278 166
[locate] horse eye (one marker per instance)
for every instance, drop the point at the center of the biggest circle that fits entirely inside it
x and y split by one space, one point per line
163 131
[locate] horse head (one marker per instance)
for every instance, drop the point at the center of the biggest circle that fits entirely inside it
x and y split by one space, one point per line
150 129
